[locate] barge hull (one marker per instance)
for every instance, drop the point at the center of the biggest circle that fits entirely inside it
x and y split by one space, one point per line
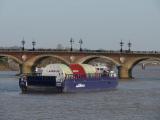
69 85
89 85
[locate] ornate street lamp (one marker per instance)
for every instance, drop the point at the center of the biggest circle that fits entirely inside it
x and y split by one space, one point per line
80 43
23 43
121 44
33 44
71 41
129 46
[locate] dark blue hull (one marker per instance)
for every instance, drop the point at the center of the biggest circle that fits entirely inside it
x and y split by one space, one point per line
90 84
68 85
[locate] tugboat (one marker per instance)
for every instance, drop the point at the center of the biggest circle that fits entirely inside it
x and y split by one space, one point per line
72 78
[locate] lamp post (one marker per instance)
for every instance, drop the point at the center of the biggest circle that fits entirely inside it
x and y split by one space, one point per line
71 41
80 43
33 44
129 46
23 43
121 44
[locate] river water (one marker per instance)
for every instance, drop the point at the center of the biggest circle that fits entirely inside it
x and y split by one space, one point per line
137 99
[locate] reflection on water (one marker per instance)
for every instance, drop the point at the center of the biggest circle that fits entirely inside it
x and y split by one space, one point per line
137 99
8 81
8 74
150 72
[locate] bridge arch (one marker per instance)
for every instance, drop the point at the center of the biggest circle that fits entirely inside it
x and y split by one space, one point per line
17 60
136 61
89 58
92 57
32 62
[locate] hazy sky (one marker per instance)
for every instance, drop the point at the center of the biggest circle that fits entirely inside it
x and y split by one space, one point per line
100 23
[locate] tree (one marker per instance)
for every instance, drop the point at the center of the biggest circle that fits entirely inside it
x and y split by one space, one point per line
59 47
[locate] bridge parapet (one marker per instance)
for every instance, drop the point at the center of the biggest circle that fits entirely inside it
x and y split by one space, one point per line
77 51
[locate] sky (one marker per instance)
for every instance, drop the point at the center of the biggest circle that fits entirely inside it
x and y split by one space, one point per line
101 24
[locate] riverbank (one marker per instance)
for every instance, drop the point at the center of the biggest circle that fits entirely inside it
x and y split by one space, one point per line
7 67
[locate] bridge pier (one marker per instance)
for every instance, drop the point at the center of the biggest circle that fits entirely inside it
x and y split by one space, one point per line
124 73
26 68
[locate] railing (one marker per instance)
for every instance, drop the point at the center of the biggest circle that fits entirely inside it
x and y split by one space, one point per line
84 51
88 76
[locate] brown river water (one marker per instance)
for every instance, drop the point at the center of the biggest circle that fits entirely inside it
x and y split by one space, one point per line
137 99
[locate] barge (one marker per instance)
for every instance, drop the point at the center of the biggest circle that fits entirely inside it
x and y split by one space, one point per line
73 78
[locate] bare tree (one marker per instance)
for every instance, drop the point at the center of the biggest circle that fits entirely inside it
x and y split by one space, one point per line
59 47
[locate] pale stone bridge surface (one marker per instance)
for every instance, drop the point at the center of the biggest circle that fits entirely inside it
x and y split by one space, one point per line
124 61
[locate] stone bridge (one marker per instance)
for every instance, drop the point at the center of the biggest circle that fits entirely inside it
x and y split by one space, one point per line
124 61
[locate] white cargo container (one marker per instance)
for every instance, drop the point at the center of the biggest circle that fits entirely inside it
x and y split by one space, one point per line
58 70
